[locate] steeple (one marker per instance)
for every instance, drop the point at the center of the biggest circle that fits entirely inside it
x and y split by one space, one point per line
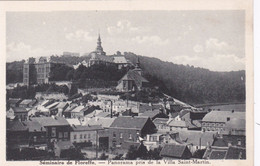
99 48
138 63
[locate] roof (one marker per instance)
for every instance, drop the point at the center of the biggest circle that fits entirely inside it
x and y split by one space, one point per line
61 105
218 154
64 144
34 126
51 121
104 122
221 116
236 123
177 123
86 128
15 125
150 114
160 120
236 153
103 114
78 108
173 150
19 109
14 101
129 122
197 138
69 109
120 59
73 121
146 107
52 105
134 76
27 101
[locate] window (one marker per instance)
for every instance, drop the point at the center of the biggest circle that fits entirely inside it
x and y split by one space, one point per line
114 134
130 136
80 136
75 136
121 135
239 142
34 139
66 134
85 136
53 131
60 134
88 136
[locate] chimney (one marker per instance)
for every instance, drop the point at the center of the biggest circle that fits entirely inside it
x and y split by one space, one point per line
233 111
228 119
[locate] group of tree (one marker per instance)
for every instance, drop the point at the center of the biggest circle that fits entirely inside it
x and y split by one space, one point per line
141 152
193 85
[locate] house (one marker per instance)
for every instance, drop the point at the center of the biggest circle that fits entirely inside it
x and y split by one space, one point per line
155 140
194 140
85 135
132 81
218 120
230 140
143 107
28 103
78 112
52 108
120 61
177 125
19 112
106 105
175 151
57 128
16 135
119 106
61 146
220 153
128 128
67 112
37 134
161 124
236 126
61 107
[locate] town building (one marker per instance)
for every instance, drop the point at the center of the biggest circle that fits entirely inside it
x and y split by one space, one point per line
130 129
28 103
37 72
57 128
19 113
220 153
85 135
224 121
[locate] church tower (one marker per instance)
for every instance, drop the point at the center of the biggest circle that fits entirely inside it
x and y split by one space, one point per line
138 68
99 49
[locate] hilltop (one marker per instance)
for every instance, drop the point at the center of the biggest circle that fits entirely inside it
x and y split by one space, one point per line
187 83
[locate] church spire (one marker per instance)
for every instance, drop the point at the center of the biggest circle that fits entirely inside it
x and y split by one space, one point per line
99 48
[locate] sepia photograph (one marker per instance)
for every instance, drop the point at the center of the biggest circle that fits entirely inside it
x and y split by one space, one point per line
122 86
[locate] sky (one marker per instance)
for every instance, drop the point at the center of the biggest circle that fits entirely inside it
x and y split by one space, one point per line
213 40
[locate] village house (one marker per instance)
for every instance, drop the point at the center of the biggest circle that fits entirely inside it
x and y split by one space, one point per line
61 107
195 140
85 135
67 112
16 135
50 95
218 120
57 128
19 112
220 153
37 134
78 112
230 140
127 128
175 151
154 114
161 124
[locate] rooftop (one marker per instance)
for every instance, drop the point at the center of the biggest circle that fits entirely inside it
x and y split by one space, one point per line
51 121
173 150
221 116
129 122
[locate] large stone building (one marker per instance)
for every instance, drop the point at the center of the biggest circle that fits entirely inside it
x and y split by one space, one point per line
37 72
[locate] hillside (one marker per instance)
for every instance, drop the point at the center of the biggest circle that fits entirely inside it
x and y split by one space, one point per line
186 83
194 85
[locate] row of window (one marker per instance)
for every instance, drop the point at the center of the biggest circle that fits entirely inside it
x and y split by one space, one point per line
213 124
60 134
81 136
121 136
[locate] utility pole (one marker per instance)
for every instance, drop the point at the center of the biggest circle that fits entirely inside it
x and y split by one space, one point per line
96 144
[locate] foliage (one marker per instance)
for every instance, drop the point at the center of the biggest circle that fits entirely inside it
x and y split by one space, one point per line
72 154
193 85
154 154
103 156
134 152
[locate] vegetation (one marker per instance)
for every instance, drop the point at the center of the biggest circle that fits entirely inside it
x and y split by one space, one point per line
193 85
186 83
